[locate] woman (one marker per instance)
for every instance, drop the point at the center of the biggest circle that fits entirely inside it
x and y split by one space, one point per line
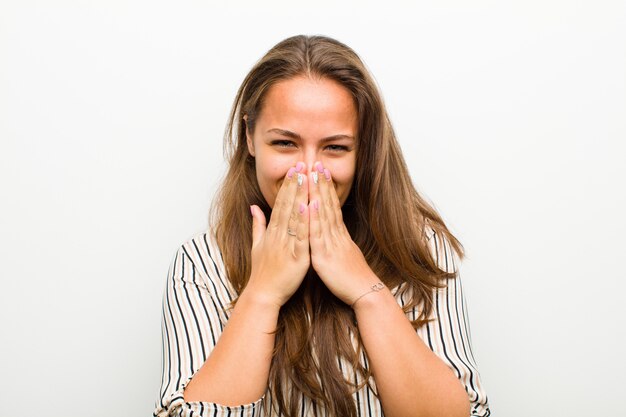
327 285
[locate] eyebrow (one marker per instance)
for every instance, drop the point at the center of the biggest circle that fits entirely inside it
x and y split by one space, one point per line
294 135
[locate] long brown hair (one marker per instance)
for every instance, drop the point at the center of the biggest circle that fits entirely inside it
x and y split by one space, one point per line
384 213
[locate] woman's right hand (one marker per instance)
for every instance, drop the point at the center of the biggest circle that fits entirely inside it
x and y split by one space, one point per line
280 260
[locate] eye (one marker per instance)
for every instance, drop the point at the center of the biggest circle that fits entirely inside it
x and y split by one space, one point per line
337 148
281 143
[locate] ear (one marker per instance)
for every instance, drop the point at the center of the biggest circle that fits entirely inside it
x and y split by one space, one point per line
249 140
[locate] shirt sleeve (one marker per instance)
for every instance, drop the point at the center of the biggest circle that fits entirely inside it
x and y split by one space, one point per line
191 323
448 335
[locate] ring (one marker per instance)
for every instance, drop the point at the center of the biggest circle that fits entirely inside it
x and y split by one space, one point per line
290 232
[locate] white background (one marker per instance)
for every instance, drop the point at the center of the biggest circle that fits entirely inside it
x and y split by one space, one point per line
512 116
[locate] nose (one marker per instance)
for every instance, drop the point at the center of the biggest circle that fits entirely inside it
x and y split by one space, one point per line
310 157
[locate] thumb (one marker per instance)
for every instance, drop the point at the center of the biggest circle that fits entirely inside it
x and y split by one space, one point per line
258 224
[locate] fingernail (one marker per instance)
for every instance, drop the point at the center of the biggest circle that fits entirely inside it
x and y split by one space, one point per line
290 172
314 175
327 174
252 210
300 179
302 207
316 205
320 167
299 166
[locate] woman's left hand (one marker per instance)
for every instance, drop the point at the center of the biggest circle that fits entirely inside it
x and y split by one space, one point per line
335 257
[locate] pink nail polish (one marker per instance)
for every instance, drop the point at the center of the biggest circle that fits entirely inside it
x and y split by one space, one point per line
299 166
320 167
252 210
327 174
302 207
316 204
291 172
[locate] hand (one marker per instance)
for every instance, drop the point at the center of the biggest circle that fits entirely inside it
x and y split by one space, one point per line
335 257
280 260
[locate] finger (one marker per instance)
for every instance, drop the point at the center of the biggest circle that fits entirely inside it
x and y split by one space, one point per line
327 202
302 195
314 190
318 227
284 200
335 203
315 227
258 224
288 202
301 244
320 195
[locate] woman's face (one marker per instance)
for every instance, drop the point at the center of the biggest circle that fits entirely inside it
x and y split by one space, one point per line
305 120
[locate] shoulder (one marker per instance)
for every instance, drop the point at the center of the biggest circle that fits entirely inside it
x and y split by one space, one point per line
201 249
440 249
205 256
429 232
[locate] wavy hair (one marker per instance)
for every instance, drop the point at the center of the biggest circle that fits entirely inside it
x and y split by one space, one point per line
384 214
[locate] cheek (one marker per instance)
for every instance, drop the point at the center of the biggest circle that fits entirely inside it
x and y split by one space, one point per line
271 166
343 176
270 176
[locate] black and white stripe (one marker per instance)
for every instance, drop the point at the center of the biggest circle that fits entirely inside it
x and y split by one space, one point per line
195 311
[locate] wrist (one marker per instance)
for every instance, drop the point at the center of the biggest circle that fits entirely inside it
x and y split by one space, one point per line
260 299
370 285
374 301
379 286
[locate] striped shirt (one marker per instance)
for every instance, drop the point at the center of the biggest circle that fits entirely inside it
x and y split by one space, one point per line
196 305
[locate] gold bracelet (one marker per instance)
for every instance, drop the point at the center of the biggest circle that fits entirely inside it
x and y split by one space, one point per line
374 288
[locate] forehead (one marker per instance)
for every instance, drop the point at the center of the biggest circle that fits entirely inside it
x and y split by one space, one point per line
309 106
